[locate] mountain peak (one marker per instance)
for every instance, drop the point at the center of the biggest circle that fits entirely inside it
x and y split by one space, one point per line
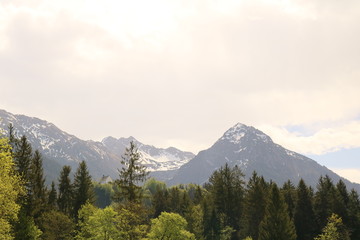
239 132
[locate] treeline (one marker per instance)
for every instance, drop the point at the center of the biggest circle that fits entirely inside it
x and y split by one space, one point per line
135 207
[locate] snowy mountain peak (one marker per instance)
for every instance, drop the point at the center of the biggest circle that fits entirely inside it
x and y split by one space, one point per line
155 159
240 132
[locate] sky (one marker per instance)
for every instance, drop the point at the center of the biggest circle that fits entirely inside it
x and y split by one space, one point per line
180 73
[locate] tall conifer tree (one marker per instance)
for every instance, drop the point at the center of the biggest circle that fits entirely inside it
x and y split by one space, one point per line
83 187
304 216
226 187
255 205
324 204
276 223
130 175
52 196
289 193
65 197
37 186
354 215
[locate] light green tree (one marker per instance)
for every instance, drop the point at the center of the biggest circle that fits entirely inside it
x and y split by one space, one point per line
106 224
334 230
169 226
10 188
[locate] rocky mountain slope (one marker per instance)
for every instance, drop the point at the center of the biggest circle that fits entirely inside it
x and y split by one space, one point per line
252 150
103 158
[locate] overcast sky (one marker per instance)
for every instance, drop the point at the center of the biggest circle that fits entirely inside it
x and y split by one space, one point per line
181 72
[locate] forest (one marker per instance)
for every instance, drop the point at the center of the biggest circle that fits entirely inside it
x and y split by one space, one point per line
135 206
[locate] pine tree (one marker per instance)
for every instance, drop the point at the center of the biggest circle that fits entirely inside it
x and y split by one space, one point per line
324 204
276 223
22 159
130 174
52 196
65 197
334 230
226 187
83 188
255 205
289 193
12 139
341 201
304 216
354 215
37 186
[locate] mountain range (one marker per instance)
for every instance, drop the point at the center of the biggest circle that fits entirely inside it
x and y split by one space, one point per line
103 158
241 145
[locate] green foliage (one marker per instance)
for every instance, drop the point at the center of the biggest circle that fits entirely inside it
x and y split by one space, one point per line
354 215
37 186
255 205
82 187
195 221
226 187
10 189
304 216
56 225
289 193
98 224
103 194
65 197
324 204
130 175
169 226
25 228
276 223
52 196
334 230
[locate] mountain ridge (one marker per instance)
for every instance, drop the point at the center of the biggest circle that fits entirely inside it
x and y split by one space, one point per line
252 150
242 145
60 148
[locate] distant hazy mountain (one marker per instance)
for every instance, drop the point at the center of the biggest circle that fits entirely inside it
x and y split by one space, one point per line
162 163
251 150
103 158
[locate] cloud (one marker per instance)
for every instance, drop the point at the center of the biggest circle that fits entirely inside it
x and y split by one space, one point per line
324 140
184 71
351 174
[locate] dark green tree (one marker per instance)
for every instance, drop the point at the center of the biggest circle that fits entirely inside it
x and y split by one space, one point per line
255 205
354 215
65 197
341 202
304 216
130 175
289 193
103 194
226 188
52 197
82 187
160 201
324 204
276 223
56 225
37 186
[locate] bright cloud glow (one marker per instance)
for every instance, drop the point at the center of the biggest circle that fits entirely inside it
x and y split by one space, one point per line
351 174
182 72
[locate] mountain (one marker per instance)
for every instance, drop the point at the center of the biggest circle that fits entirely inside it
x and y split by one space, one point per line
103 158
162 163
252 150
